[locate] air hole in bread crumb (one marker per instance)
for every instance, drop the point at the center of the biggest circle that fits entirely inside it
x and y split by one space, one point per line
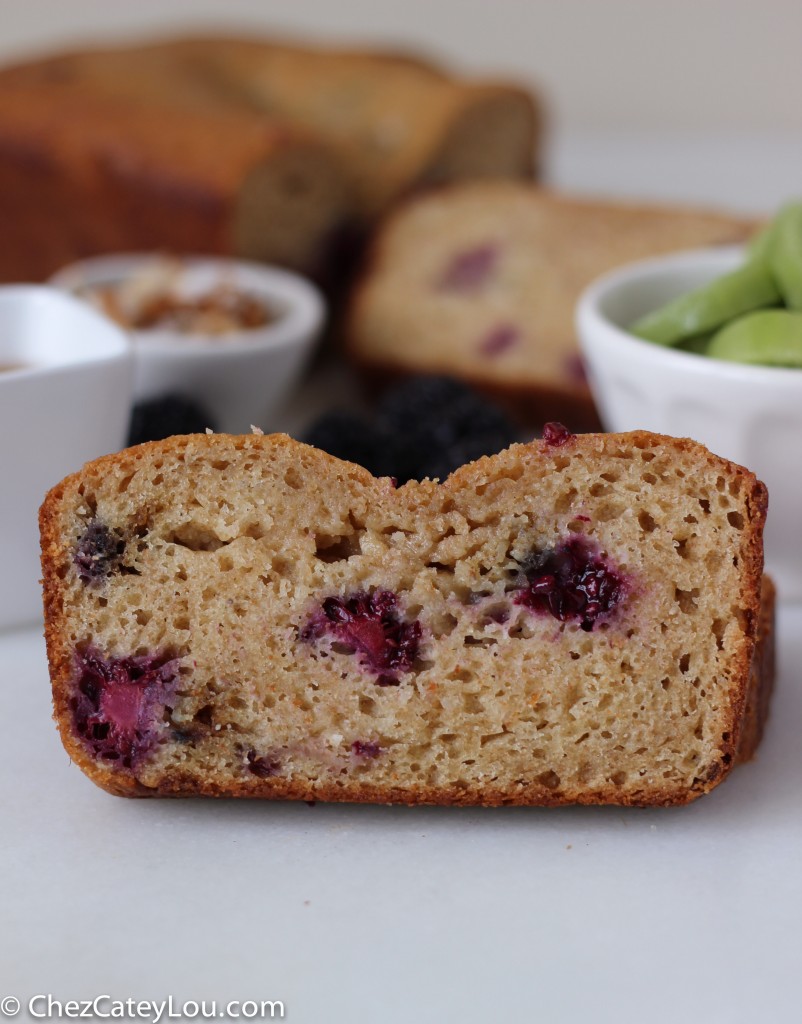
195 537
718 627
736 520
549 779
367 706
564 502
684 663
647 523
142 617
618 778
293 479
686 599
337 549
472 704
704 504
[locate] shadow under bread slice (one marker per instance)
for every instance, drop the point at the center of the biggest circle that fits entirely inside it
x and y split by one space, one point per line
570 621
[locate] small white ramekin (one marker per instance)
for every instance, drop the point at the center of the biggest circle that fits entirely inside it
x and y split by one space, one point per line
68 404
241 379
751 415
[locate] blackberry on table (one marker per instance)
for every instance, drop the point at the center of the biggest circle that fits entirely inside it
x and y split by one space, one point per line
166 416
439 424
354 439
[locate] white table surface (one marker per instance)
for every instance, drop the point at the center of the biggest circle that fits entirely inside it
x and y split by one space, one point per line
396 914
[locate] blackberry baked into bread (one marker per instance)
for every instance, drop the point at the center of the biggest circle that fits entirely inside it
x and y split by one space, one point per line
143 147
480 280
570 621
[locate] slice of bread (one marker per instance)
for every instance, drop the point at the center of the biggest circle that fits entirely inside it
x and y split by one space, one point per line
480 280
570 621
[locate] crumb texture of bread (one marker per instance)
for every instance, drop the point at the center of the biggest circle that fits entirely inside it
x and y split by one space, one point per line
560 623
480 280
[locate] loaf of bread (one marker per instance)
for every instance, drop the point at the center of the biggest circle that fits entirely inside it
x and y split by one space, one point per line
82 173
238 146
480 280
570 621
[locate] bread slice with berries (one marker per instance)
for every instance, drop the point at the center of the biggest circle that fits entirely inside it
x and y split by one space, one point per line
570 621
479 280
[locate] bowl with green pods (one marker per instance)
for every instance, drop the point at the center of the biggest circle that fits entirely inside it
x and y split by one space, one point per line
707 344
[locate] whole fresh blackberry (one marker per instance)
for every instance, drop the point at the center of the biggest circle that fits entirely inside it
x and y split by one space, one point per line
439 424
355 439
166 416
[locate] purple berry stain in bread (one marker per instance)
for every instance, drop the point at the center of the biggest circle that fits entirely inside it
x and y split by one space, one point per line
264 767
500 340
98 553
556 435
118 704
367 749
470 269
369 625
572 582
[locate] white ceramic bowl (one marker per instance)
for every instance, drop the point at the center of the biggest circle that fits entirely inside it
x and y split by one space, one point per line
70 403
749 414
242 378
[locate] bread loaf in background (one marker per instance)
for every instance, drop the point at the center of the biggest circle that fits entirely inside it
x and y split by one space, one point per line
480 280
220 145
82 174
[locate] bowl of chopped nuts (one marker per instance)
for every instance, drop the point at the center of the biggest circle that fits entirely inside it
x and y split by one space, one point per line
231 336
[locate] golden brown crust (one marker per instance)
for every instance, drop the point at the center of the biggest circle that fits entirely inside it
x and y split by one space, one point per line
750 680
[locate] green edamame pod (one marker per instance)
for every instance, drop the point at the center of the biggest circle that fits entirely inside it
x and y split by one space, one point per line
741 291
760 246
770 337
697 345
785 254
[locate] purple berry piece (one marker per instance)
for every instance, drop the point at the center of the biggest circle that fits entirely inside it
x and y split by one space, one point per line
370 626
556 435
118 704
575 369
365 748
572 582
470 270
499 340
264 767
99 552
